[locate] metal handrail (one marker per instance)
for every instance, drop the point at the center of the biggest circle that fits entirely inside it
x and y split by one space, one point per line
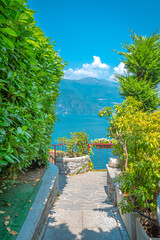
89 146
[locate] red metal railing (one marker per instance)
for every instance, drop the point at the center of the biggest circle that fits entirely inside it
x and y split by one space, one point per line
56 150
99 153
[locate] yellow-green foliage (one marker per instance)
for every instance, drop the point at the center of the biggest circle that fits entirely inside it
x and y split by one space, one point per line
138 134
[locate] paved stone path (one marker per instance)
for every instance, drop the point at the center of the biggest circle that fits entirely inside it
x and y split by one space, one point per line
83 211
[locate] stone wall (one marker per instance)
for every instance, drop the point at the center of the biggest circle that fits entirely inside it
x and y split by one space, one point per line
70 166
35 220
111 174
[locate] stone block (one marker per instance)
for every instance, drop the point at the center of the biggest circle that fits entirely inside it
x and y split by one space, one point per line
72 165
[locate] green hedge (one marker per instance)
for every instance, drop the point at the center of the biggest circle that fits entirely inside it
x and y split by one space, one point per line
30 72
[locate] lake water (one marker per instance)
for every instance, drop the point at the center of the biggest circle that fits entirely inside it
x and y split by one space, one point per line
94 126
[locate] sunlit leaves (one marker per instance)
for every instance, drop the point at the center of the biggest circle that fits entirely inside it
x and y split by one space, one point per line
139 132
8 31
7 40
142 61
76 145
30 73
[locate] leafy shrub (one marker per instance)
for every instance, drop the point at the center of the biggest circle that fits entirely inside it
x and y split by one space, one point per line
30 73
138 137
140 185
77 145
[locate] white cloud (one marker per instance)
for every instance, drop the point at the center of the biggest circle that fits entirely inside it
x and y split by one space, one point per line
96 69
118 70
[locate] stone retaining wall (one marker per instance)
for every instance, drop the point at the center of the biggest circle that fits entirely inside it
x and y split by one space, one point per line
70 166
111 174
34 223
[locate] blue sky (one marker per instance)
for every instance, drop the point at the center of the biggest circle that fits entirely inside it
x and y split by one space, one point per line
86 31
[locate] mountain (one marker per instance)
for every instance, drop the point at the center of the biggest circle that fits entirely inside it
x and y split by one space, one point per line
86 96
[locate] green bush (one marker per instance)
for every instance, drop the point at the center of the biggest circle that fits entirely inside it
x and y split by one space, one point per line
138 137
30 72
77 145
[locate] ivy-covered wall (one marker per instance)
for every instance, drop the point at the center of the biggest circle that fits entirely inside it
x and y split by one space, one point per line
30 72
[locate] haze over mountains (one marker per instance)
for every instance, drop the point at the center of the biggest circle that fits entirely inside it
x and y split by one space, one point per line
86 96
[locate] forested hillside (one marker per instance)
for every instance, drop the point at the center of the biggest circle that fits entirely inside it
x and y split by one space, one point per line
86 96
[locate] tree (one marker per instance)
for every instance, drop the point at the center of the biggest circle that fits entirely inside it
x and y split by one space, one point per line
142 62
138 137
136 132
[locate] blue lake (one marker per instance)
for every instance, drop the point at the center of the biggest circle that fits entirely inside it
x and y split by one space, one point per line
93 125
